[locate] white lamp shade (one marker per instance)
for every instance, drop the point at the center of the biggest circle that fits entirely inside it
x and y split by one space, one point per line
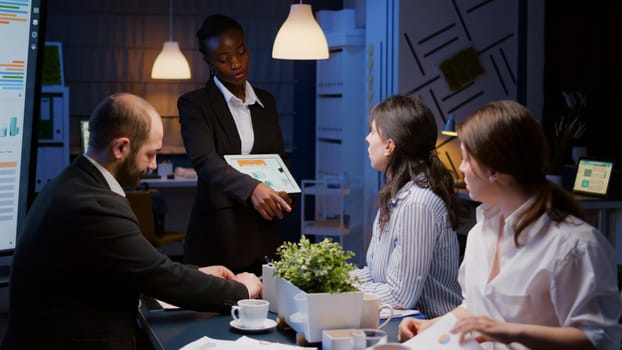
300 37
170 63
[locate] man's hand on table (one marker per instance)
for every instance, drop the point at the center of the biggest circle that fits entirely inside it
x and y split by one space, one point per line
218 271
250 280
252 283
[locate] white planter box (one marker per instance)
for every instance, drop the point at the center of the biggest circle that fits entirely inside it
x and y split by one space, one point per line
269 289
311 313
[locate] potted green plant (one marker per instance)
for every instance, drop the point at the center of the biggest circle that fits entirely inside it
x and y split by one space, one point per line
314 289
566 131
315 267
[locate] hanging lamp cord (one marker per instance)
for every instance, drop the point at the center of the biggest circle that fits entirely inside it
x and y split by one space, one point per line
170 20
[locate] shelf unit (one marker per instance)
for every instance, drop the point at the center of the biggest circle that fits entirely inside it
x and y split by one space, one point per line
341 122
52 134
330 218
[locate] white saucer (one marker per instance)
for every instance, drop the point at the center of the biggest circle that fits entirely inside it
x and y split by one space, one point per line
268 324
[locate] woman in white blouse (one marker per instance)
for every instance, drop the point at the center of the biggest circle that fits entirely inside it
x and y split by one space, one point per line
413 257
535 274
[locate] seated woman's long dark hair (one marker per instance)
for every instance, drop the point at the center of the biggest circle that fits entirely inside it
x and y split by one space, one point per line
411 125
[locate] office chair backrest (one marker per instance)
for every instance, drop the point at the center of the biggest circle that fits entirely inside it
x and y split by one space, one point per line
141 202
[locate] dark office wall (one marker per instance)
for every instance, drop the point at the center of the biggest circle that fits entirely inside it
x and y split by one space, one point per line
110 46
582 40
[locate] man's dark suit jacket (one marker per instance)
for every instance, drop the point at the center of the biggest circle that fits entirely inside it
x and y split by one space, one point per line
224 227
80 264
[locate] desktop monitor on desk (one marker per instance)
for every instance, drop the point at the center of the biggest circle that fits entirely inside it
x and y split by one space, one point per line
84 135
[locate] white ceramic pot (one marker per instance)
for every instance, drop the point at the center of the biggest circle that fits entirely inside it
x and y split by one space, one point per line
311 313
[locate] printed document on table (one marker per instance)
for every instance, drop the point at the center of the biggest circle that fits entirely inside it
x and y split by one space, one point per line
395 313
437 336
242 343
157 305
167 306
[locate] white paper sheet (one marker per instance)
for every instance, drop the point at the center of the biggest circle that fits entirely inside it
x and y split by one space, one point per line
167 306
242 343
437 336
207 343
384 313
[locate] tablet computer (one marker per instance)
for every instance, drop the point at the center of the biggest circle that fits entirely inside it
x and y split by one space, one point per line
267 168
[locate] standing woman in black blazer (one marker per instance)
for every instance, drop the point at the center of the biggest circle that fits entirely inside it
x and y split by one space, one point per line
234 220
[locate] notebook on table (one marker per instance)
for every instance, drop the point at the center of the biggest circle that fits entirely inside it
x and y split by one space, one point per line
593 178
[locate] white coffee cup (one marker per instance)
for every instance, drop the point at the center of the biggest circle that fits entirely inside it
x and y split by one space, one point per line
370 316
251 313
366 338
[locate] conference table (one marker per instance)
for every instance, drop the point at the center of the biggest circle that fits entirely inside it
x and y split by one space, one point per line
174 329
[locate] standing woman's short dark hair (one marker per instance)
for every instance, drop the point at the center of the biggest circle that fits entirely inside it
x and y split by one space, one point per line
213 26
503 136
411 125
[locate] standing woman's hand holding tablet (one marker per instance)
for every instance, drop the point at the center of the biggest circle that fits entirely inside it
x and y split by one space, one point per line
270 203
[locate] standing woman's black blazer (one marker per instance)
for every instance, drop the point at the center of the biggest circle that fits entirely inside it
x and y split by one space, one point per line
224 227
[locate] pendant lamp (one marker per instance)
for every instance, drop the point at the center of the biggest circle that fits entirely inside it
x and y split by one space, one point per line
300 37
170 63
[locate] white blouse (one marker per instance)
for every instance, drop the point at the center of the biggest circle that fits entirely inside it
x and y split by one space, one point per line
563 274
414 261
240 110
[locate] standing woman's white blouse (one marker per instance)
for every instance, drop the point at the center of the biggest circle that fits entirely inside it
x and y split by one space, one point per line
563 274
414 261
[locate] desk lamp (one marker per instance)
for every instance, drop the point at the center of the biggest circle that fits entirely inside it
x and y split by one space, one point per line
451 130
451 127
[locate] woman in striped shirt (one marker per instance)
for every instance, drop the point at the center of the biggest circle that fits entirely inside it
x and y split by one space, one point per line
413 257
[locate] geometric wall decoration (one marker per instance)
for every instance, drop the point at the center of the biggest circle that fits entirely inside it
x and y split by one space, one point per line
457 56
461 68
433 31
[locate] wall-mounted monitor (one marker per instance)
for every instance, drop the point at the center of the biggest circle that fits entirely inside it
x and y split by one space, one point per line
21 37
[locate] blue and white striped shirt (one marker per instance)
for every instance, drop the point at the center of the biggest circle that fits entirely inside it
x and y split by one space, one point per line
414 262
